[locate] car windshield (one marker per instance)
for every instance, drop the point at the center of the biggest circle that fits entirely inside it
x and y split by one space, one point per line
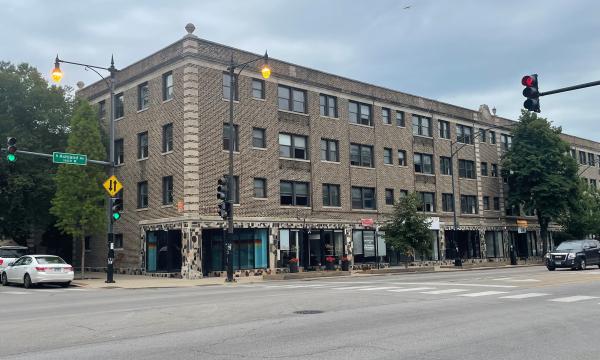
570 245
49 260
12 253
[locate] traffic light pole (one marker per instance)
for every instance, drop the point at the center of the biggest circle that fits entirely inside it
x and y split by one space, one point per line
569 88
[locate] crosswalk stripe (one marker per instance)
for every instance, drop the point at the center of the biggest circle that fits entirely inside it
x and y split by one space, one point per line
523 296
411 289
483 293
570 299
379 288
14 292
351 287
446 291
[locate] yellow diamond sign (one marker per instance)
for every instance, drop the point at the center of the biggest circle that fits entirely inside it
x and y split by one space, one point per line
112 186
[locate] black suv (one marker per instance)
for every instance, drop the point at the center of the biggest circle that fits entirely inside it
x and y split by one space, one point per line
574 254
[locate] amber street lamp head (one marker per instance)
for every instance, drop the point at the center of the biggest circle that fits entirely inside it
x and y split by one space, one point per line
266 70
57 73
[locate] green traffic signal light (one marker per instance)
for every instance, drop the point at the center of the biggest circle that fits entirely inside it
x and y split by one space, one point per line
116 216
11 157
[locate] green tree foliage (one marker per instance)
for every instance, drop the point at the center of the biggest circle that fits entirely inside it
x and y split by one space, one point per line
37 115
79 200
541 174
583 218
407 229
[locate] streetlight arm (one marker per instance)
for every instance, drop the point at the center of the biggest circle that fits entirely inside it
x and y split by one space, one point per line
454 142
85 65
243 65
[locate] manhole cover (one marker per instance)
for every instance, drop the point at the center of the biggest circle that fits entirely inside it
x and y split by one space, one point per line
308 312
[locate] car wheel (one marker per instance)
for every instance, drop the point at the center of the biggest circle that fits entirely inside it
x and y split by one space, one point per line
582 264
550 268
27 284
65 284
4 280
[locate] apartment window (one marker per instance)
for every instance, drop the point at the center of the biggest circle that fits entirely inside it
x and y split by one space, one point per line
361 155
464 134
258 138
167 88
258 89
444 129
402 157
167 186
363 198
492 137
227 136
118 241
142 195
143 96
359 113
387 156
466 169
486 203
496 203
331 195
482 135
102 110
423 163
389 196
400 119
574 154
484 169
426 201
506 141
293 193
495 170
119 152
447 202
293 146
593 183
445 165
329 150
260 188
119 106
421 125
227 87
167 137
403 193
385 115
468 204
582 157
291 99
143 145
328 105
591 159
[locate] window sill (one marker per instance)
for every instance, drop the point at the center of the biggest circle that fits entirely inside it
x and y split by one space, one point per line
462 143
166 206
294 159
142 110
362 125
403 166
260 199
423 136
332 207
362 167
167 152
257 148
143 159
142 209
400 126
365 210
259 99
446 174
424 174
168 100
466 178
443 138
295 207
293 112
387 124
390 165
234 101
329 117
330 162
234 151
120 118
119 165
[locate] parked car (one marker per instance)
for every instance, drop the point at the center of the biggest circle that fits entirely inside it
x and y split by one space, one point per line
574 254
30 270
9 254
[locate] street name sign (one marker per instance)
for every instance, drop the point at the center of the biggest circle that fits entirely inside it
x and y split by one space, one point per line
67 158
112 186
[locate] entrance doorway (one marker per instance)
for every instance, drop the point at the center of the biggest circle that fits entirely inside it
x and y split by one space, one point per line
163 251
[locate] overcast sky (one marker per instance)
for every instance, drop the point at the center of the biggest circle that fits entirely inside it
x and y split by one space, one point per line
458 51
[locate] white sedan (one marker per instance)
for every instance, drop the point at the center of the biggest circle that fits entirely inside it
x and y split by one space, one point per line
36 269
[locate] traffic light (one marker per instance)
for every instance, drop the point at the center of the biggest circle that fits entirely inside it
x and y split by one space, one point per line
116 208
531 92
11 149
222 192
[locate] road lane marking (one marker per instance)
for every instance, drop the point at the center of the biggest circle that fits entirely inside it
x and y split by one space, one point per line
455 284
446 291
411 289
379 288
523 296
483 293
351 287
14 292
570 299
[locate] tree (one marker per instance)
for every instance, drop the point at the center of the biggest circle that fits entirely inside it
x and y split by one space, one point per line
582 219
79 200
37 116
407 229
542 177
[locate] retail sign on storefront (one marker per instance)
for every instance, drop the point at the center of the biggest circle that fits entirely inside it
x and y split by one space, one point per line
522 223
367 222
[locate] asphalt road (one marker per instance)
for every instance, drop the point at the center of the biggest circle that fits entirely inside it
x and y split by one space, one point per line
521 313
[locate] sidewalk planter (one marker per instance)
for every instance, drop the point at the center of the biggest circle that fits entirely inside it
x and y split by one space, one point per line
329 263
293 265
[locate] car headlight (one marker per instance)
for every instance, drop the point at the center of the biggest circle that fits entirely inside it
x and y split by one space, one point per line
548 255
571 256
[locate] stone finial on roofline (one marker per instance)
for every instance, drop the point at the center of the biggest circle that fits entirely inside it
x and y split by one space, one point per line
190 28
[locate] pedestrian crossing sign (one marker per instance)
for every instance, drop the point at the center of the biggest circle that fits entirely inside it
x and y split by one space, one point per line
112 186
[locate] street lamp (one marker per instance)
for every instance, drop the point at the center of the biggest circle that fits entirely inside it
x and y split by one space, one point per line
57 76
266 73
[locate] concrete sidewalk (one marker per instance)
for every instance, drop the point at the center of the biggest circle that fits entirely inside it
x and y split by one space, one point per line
141 281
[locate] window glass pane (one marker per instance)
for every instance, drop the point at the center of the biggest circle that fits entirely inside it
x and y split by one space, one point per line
334 194
298 97
322 105
357 241
354 155
333 153
369 243
283 98
332 107
356 198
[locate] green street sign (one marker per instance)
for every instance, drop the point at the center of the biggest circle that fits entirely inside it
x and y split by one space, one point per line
66 158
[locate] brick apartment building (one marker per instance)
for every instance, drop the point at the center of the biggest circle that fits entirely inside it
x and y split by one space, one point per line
317 156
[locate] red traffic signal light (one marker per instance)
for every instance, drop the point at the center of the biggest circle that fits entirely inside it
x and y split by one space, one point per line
529 80
531 92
